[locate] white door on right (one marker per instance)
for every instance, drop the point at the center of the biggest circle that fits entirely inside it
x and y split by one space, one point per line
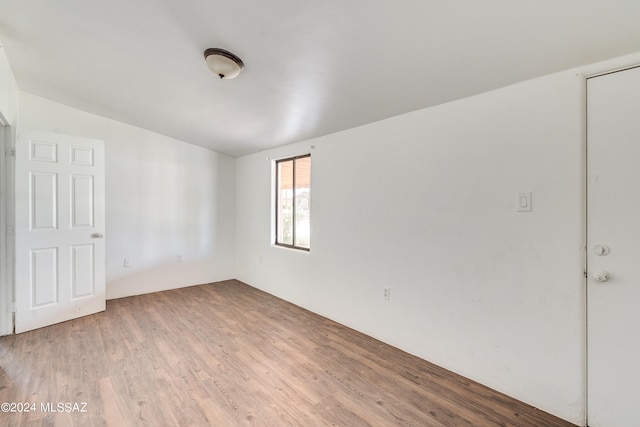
613 249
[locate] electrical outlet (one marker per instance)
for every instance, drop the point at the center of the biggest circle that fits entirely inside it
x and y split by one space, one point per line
524 202
127 262
387 293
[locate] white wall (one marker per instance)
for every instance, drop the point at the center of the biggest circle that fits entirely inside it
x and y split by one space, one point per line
8 90
425 203
164 198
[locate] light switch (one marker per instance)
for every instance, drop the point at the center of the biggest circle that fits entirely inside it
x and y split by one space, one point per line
524 202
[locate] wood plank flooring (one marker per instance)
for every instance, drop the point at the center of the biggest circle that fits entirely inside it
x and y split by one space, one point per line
226 354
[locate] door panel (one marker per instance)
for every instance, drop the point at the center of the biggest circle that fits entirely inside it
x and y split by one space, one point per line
613 233
59 228
82 267
82 201
44 277
44 201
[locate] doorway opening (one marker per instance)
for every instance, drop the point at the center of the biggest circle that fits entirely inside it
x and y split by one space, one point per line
7 235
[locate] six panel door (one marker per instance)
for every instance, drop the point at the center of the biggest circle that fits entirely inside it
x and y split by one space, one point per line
60 247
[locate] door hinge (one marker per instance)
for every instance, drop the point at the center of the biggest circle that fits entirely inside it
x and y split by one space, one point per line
586 275
10 151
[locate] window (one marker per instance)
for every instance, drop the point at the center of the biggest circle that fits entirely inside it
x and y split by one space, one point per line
293 202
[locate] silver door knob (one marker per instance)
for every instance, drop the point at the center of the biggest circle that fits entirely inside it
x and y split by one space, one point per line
97 235
601 250
601 275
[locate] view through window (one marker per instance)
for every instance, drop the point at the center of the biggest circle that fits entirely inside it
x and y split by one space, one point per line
293 202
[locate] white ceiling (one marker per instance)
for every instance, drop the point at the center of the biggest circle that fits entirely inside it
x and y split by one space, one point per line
312 66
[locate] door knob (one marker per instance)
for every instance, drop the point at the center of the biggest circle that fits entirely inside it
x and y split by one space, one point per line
601 275
97 235
601 250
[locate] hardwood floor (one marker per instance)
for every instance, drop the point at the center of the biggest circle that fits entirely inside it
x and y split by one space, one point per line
226 354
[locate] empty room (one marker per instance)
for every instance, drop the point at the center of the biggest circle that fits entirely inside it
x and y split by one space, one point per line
285 213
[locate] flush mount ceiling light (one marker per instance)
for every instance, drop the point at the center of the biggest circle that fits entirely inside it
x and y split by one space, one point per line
222 63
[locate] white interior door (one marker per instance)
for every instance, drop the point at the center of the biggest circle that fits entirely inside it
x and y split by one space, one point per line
613 252
60 222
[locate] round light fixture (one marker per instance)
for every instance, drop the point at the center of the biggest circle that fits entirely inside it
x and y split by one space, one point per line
222 63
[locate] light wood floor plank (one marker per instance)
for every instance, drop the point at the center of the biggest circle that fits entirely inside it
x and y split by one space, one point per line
226 354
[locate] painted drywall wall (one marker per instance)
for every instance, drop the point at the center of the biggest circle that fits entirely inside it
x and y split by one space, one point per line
8 90
425 204
169 205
